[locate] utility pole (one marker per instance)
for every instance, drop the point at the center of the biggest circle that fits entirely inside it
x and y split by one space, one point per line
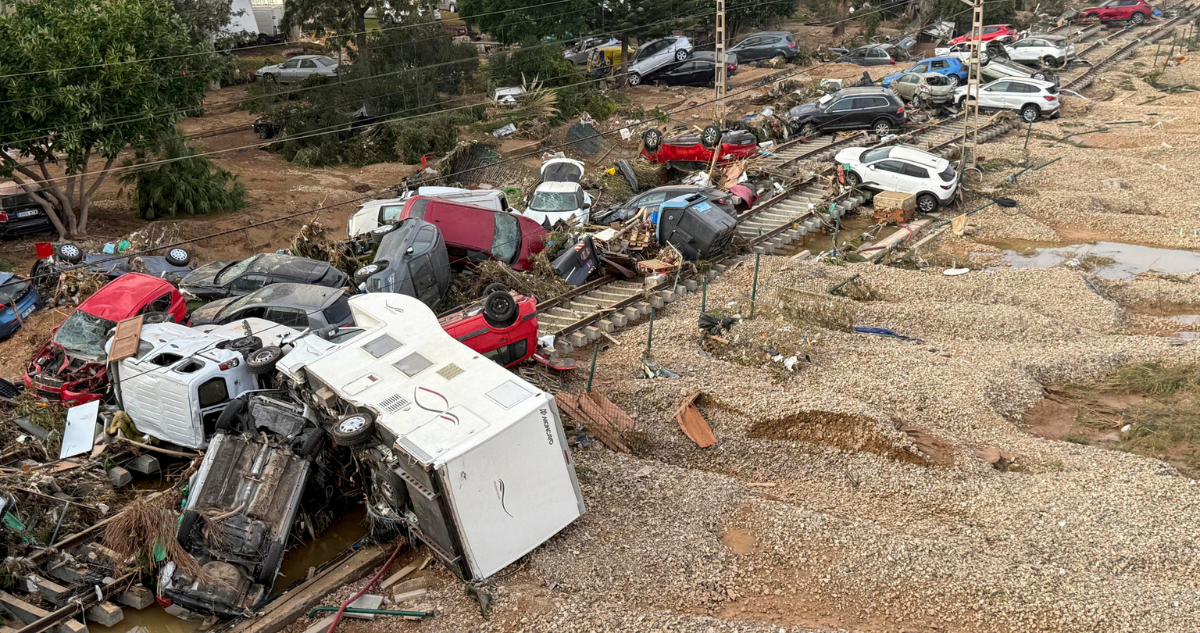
721 75
971 109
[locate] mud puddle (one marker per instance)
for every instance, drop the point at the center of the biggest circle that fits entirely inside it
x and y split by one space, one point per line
1110 260
852 228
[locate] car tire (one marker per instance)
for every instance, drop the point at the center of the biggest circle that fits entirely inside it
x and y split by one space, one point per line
363 274
635 79
245 344
500 309
262 39
853 179
681 55
1049 62
916 102
389 487
652 140
1138 18
494 287
954 80
353 429
1038 75
809 130
178 257
187 525
270 564
232 411
262 360
710 137
882 127
927 203
1030 113
69 253
270 78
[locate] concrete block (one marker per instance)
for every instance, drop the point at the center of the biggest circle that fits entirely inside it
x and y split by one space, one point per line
322 625
577 339
667 295
69 573
146 464
801 256
105 614
643 307
764 249
73 626
50 590
720 268
605 325
137 597
591 332
618 320
712 274
20 609
412 585
100 554
119 476
406 596
631 313
655 302
690 284
564 348
369 601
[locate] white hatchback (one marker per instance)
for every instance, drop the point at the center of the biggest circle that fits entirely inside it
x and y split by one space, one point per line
904 169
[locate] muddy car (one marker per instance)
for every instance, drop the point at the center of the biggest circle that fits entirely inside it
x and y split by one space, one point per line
72 367
241 507
294 305
411 260
172 266
503 326
236 278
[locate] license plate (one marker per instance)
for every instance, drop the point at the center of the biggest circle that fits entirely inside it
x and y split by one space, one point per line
27 214
27 311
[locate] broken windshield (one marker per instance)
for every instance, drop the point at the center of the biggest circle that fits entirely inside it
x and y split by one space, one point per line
234 270
553 202
84 333
506 243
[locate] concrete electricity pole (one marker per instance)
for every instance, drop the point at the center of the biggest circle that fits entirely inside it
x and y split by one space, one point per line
721 76
971 108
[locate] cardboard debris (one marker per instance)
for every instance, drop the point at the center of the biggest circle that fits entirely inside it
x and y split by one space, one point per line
600 416
693 424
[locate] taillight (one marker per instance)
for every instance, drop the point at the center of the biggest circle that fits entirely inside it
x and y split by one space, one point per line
731 67
3 216
925 88
891 61
229 364
946 187
1049 97
900 111
791 45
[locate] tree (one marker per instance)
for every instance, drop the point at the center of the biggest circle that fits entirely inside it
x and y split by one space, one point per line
345 17
81 79
205 19
513 21
187 184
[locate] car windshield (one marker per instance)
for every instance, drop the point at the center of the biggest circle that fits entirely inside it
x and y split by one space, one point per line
11 290
506 243
84 333
326 61
873 155
234 271
553 201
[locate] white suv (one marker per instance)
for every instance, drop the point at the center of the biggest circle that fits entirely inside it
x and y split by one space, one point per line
1034 99
901 168
1048 50
658 53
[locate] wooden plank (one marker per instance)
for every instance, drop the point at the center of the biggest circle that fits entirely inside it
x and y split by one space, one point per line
613 413
693 424
126 338
417 563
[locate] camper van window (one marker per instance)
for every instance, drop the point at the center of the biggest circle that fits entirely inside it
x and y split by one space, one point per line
390 213
166 359
382 346
212 392
413 364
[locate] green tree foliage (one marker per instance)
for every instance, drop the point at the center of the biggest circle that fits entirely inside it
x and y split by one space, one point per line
206 20
512 21
546 66
83 79
188 184
347 21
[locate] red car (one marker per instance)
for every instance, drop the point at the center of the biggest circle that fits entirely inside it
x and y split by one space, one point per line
72 366
504 327
698 148
997 32
1135 11
474 233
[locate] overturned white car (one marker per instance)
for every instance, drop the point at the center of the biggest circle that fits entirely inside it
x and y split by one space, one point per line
560 197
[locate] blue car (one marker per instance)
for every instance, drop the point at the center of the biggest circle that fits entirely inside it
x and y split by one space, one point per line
952 67
17 295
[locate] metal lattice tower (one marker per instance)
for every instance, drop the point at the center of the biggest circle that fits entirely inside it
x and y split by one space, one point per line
721 65
971 109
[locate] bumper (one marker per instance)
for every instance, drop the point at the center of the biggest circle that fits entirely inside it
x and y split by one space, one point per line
26 226
60 394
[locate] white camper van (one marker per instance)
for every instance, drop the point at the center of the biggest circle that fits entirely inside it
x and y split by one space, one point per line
374 213
269 19
465 455
177 385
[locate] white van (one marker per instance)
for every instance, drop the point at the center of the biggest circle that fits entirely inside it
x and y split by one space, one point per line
241 22
177 385
269 19
464 455
374 213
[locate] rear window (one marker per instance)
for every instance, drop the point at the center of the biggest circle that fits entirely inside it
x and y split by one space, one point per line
937 80
1052 90
949 174
16 201
339 312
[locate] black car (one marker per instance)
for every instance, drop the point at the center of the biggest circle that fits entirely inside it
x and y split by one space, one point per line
299 306
766 45
233 278
411 260
699 70
876 109
658 195
19 214
874 55
173 266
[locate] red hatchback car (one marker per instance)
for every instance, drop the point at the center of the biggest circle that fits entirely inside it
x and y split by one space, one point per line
72 366
504 327
689 149
997 32
1135 11
475 234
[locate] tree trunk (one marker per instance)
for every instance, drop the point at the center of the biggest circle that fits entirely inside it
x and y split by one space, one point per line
46 204
68 201
360 41
624 58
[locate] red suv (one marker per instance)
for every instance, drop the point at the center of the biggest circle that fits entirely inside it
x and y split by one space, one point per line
72 367
997 32
504 327
1136 11
474 233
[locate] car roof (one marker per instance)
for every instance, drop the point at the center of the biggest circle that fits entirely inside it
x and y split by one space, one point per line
558 187
779 33
912 154
293 295
125 295
1037 82
864 90
295 264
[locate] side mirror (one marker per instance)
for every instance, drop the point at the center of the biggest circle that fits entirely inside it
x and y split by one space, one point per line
870 167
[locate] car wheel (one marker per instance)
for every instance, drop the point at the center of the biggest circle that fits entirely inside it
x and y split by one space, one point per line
364 273
232 411
1039 75
178 257
853 179
389 487
1049 61
270 78
70 253
809 130
954 80
270 564
652 139
681 55
984 57
635 79
263 40
710 136
453 8
916 102
187 525
245 344
495 287
1030 113
882 127
500 309
353 429
1138 17
263 360
927 203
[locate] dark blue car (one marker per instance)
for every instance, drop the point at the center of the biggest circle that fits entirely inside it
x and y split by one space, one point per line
951 67
17 295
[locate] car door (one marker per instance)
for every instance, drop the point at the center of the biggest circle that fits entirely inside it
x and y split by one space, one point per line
839 114
886 174
913 178
906 85
699 72
287 70
755 49
247 283
307 69
878 57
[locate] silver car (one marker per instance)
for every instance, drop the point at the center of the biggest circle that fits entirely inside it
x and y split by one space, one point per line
922 88
299 68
